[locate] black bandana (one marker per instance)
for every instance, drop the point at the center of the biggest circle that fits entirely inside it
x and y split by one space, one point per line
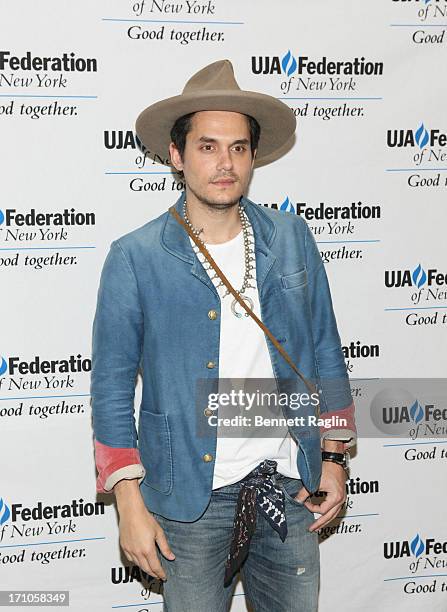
258 492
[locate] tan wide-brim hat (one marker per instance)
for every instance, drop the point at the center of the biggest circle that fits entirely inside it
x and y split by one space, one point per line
215 88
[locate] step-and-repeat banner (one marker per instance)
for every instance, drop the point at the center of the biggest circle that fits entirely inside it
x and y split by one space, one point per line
368 172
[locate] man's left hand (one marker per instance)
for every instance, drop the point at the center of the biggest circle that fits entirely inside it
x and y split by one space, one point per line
333 482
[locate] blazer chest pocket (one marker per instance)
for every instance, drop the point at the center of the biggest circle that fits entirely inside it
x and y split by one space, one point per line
296 279
154 443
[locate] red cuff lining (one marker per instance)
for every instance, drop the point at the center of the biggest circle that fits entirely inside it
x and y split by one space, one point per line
344 413
110 459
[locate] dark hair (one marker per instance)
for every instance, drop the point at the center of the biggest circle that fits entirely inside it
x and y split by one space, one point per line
183 125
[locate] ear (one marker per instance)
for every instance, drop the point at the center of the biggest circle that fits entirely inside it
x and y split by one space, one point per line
175 156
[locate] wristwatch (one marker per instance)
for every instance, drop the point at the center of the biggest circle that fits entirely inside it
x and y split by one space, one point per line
340 458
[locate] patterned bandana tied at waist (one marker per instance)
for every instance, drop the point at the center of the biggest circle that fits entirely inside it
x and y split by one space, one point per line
258 492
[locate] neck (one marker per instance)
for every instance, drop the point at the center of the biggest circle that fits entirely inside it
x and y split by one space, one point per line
220 223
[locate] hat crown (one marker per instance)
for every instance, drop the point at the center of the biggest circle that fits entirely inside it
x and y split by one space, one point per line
219 75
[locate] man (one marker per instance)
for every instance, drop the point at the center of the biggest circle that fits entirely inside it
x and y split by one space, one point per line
214 504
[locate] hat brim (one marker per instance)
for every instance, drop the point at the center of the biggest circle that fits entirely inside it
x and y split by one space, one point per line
277 121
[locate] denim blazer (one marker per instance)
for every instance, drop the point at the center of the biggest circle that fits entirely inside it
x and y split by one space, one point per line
152 316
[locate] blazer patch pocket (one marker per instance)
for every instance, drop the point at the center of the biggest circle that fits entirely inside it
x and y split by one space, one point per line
296 279
154 442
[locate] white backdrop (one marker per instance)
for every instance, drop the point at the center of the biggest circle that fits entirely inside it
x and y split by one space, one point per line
372 134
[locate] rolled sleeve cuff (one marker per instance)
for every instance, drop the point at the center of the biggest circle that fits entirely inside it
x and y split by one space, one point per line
115 464
341 426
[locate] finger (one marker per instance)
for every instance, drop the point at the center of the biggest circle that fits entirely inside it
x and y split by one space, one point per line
130 557
163 545
303 494
151 558
149 569
322 508
324 519
153 572
142 560
142 563
313 507
329 502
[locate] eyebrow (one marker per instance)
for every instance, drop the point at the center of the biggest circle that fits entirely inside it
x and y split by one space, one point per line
213 140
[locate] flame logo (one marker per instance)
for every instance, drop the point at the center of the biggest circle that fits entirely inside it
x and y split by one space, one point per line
5 512
3 366
288 63
421 136
419 276
2 217
417 546
287 206
416 412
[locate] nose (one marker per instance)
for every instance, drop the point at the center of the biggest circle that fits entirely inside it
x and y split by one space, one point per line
224 161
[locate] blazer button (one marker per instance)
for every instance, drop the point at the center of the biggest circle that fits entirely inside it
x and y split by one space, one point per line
207 457
208 412
211 364
212 314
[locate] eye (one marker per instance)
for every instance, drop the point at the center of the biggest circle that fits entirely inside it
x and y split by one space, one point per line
239 148
206 147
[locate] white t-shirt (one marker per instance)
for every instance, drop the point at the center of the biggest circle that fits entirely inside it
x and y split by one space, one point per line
243 353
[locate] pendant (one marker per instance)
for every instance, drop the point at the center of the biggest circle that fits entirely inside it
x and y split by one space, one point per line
246 299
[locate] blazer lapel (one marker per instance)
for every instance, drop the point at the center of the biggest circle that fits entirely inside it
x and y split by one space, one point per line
176 241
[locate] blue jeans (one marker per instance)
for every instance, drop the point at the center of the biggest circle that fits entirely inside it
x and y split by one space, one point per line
276 575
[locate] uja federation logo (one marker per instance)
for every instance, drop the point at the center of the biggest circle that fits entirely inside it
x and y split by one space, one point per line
423 553
41 511
419 137
430 284
398 412
122 140
425 144
408 278
16 366
419 421
397 550
288 65
321 73
403 414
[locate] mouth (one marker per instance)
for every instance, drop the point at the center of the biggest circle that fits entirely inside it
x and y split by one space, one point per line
224 182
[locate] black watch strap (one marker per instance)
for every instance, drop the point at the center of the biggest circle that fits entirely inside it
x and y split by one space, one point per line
339 458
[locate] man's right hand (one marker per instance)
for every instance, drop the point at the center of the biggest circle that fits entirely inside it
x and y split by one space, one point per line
139 530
